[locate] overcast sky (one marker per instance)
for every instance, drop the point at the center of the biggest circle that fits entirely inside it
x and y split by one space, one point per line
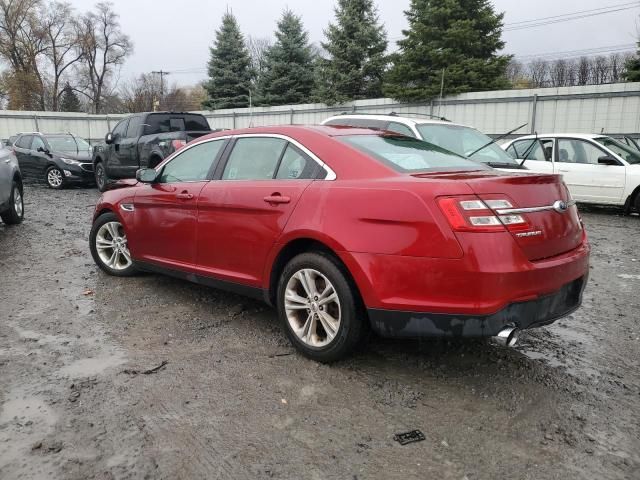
176 36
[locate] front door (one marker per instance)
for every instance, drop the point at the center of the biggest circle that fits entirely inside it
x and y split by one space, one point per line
37 156
166 212
589 181
242 214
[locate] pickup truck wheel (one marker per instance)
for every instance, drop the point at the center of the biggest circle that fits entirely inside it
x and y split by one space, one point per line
102 180
54 178
15 213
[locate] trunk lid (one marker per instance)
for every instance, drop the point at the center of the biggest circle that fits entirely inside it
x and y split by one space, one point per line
550 231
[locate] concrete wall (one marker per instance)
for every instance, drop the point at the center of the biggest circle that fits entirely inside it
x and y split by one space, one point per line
613 108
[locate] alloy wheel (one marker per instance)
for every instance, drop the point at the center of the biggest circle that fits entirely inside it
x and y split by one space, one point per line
100 176
18 205
54 178
112 247
312 307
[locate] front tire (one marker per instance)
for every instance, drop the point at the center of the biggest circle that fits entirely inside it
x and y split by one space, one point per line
15 214
320 308
54 178
109 247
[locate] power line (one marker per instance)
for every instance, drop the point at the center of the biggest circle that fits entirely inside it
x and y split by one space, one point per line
579 53
566 19
571 14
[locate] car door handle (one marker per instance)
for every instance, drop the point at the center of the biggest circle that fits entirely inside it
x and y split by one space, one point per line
184 196
565 171
277 198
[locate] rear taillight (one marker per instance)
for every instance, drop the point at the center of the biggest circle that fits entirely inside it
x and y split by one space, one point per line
469 214
178 144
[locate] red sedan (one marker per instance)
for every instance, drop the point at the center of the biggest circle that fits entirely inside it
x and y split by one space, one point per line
343 229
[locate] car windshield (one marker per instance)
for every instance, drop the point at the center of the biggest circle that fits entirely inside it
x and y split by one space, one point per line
627 153
464 141
405 154
68 143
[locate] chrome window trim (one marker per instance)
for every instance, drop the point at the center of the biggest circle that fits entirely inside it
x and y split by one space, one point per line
331 175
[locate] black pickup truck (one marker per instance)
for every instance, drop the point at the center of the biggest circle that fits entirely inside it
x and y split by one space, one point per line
143 140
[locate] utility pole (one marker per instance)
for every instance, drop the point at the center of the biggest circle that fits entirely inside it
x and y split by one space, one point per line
162 74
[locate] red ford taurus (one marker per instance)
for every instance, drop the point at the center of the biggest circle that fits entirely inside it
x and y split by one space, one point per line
343 229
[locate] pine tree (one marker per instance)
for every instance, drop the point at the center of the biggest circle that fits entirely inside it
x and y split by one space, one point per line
632 68
69 101
463 37
356 46
288 76
229 68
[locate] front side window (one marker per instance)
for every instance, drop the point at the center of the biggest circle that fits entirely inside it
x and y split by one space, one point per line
406 154
120 129
133 130
254 158
193 164
37 143
631 155
296 165
578 151
68 144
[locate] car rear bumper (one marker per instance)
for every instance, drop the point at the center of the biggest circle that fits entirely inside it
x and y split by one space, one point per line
523 315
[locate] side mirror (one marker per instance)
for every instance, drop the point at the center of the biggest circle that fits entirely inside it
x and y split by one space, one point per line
108 139
146 175
608 160
43 150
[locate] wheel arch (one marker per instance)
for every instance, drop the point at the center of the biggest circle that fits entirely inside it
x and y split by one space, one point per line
295 247
630 203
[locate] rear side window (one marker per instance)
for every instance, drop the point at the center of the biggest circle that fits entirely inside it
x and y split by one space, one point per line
165 123
24 141
296 165
193 164
405 154
254 158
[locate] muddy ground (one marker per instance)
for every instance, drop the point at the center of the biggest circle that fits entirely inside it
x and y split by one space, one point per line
234 401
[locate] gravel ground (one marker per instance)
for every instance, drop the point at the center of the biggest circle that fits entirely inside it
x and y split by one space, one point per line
234 401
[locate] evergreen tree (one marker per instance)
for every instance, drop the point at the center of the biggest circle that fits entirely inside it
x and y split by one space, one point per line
288 76
229 68
463 37
632 68
356 46
69 101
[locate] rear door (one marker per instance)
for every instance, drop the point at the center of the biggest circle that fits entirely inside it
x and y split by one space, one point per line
37 156
21 148
242 214
166 212
589 181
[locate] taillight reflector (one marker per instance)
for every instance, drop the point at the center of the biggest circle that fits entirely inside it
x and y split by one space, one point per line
465 214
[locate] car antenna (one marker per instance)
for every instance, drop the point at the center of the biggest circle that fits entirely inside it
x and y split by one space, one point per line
496 139
529 149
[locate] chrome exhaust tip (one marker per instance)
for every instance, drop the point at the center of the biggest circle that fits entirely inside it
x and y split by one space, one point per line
507 337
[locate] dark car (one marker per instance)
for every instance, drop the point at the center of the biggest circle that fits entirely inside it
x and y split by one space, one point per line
11 140
144 140
58 159
11 201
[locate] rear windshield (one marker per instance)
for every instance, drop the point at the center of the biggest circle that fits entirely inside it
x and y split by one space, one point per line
405 154
165 123
68 144
631 155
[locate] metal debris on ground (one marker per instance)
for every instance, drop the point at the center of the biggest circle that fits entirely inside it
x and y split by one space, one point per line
409 437
146 372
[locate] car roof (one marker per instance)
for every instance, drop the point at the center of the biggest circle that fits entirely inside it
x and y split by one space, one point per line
582 136
393 118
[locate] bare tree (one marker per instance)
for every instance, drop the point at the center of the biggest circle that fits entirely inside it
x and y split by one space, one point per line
104 48
515 71
258 48
538 72
600 70
139 94
61 29
583 71
22 43
562 73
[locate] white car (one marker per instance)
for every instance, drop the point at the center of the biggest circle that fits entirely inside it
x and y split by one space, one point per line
597 169
461 139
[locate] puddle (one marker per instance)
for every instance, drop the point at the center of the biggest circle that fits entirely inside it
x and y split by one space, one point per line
88 367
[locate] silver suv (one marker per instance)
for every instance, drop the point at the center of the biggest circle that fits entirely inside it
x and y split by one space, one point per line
461 139
11 201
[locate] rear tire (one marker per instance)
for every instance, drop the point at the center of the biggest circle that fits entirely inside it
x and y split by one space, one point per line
320 308
15 214
636 202
54 177
109 247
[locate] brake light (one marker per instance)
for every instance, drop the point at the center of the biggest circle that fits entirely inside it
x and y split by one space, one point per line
475 215
178 144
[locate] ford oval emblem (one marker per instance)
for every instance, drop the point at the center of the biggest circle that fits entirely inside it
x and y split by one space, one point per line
560 206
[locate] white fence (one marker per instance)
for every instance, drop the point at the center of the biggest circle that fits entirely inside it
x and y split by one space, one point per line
613 108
